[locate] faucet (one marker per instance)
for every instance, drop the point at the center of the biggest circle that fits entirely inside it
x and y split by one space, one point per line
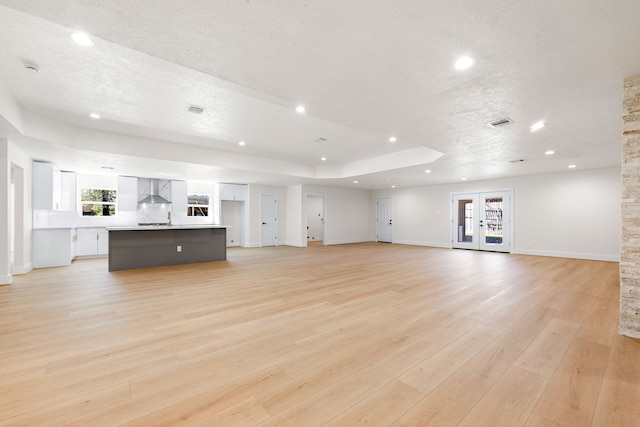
169 218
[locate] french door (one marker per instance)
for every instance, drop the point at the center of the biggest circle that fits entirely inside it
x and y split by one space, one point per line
481 221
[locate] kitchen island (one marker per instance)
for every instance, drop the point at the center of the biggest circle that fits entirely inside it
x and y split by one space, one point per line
152 246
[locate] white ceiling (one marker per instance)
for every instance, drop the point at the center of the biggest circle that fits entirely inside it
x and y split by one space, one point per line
364 71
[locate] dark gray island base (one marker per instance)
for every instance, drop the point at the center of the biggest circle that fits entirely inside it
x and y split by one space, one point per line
138 247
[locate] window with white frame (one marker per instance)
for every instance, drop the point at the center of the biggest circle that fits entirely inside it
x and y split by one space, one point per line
98 201
198 205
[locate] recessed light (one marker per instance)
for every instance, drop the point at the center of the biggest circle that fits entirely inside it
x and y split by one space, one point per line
549 152
393 186
82 39
242 143
537 126
393 139
94 116
464 179
464 62
324 159
355 182
572 166
300 109
427 171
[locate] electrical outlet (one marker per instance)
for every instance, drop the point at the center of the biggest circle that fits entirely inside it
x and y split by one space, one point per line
179 248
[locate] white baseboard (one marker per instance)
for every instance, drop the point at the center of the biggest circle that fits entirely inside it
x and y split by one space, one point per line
345 242
6 280
420 243
296 244
594 257
17 270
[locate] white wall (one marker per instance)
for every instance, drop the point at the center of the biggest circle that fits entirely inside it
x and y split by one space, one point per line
294 214
348 214
574 214
5 183
22 255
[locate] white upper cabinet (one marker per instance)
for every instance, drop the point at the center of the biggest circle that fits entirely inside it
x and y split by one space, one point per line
179 197
235 192
127 194
68 192
46 191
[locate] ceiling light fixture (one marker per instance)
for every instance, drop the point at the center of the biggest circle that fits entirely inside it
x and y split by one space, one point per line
572 166
464 179
537 126
94 116
464 62
427 171
393 139
324 159
242 143
300 109
355 182
549 152
82 39
393 186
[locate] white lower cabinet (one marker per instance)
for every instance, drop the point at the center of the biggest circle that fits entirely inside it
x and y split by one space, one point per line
92 241
52 247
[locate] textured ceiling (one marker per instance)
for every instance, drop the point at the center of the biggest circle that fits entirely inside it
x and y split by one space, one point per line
364 71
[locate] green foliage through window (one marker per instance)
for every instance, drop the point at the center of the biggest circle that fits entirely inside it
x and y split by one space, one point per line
98 202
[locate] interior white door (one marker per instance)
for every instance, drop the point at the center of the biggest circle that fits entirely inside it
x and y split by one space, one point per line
384 219
481 221
269 219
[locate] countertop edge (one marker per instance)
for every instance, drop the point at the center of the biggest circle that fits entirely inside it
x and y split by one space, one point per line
165 227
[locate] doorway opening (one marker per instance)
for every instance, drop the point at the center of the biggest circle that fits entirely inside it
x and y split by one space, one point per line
482 220
232 213
315 216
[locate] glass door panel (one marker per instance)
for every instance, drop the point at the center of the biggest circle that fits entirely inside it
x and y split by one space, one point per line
465 210
494 221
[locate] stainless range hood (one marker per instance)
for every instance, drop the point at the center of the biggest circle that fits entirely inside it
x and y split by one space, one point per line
154 193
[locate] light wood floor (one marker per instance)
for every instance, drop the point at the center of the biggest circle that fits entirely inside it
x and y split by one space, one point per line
375 334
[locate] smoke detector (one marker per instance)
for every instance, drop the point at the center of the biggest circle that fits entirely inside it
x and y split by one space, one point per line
500 122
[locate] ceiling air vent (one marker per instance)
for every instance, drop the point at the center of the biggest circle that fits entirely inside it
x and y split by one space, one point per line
195 109
320 139
516 161
500 122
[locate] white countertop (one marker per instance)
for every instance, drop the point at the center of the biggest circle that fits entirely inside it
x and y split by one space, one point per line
166 227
